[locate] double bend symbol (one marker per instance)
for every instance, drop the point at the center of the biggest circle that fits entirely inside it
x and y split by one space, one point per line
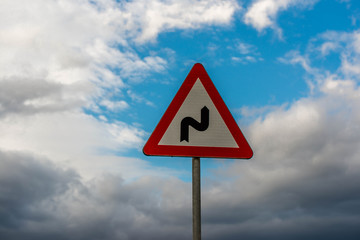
199 126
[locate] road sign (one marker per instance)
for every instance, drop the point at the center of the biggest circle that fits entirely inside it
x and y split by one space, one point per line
197 123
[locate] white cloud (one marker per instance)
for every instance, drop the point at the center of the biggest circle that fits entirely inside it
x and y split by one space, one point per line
59 57
248 53
351 58
69 138
294 57
245 48
114 105
137 98
153 17
339 87
328 47
246 59
79 43
262 14
346 46
73 44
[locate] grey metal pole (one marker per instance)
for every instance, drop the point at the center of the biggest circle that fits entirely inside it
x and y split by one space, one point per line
196 198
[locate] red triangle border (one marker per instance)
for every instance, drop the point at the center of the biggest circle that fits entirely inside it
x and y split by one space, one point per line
152 148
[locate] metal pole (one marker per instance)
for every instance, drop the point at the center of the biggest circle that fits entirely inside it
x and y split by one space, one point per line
196 195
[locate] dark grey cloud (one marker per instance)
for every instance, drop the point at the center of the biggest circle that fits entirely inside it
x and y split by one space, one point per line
25 183
39 200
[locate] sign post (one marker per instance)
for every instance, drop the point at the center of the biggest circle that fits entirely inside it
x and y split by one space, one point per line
196 198
198 124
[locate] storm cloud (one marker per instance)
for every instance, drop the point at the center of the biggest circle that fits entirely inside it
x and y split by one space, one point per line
40 200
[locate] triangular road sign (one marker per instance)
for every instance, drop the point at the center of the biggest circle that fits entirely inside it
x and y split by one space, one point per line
197 123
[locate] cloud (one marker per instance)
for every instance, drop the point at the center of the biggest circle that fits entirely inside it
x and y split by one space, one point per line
66 66
60 173
39 200
294 57
76 140
245 48
25 183
114 105
33 96
137 98
153 17
248 53
345 46
78 52
246 59
82 49
303 178
301 182
261 14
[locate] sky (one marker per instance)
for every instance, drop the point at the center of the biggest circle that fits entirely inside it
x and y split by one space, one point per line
83 83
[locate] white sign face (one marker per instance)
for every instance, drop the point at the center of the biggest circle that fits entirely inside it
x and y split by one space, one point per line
214 134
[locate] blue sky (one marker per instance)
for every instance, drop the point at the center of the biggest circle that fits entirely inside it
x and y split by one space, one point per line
84 83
